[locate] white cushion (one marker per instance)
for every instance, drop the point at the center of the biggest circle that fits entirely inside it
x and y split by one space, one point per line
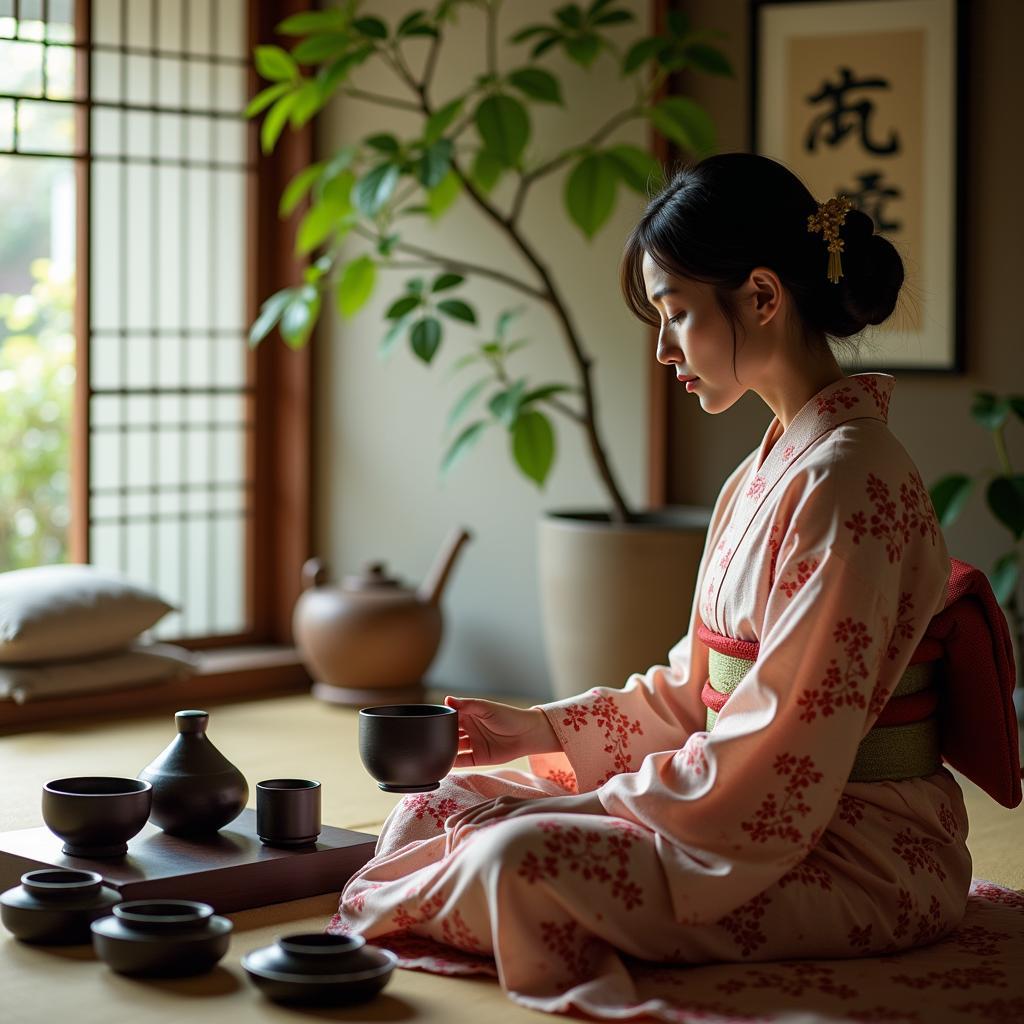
54 612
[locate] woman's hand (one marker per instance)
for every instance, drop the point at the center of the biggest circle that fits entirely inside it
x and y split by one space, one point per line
494 733
515 807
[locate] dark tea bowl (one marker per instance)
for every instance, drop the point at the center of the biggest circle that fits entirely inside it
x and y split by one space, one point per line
408 748
96 815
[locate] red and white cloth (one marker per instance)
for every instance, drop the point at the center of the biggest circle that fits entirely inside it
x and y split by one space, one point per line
747 844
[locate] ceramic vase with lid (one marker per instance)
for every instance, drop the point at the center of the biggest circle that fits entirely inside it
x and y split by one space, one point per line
196 789
56 906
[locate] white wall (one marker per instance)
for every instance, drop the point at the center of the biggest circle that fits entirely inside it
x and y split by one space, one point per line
379 423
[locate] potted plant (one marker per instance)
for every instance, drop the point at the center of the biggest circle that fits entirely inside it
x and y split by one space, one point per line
466 145
1004 495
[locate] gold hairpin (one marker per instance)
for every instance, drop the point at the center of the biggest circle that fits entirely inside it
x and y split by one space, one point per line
828 220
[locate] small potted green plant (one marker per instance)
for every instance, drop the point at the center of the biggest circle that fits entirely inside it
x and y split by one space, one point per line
1004 496
476 145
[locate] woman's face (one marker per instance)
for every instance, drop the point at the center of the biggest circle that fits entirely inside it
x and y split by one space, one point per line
695 337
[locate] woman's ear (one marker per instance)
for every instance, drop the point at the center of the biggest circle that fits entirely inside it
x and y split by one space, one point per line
763 295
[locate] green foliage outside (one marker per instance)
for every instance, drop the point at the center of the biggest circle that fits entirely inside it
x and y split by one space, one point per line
1004 496
37 376
463 145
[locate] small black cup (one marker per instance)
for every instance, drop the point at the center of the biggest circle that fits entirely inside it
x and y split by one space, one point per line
288 812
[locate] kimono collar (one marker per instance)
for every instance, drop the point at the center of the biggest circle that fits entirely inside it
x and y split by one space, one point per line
858 396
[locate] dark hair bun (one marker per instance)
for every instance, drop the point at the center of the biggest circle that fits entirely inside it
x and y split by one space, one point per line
871 281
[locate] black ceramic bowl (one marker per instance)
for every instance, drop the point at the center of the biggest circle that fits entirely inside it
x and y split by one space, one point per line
319 969
408 748
56 906
96 815
161 938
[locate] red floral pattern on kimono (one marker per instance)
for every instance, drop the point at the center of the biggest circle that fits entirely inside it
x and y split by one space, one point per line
746 843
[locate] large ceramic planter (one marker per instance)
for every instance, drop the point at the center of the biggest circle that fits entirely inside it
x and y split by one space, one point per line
615 597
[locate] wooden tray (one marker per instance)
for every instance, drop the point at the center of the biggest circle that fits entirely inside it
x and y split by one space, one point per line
232 871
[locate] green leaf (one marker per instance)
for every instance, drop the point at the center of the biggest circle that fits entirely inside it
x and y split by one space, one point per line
537 84
464 401
300 315
989 411
332 75
641 52
637 168
1005 577
1006 500
445 281
545 44
312 21
375 188
384 142
708 59
297 188
426 337
570 15
322 218
270 313
338 190
504 126
274 122
505 317
505 404
950 495
546 391
486 171
457 310
533 445
443 194
462 444
401 306
435 163
415 285
530 31
410 21
613 18
321 48
686 123
590 192
395 331
262 100
463 361
584 49
275 64
440 120
372 27
307 103
356 285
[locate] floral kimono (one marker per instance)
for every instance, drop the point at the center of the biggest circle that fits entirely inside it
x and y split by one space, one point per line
735 835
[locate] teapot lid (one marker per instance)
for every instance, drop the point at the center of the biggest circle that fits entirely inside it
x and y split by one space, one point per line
373 576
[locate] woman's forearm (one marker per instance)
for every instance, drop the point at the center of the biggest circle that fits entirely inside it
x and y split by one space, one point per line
544 740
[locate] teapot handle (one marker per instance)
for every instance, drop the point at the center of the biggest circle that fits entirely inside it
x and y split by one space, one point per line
314 574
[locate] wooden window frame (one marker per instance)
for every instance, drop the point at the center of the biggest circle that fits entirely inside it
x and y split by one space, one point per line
262 661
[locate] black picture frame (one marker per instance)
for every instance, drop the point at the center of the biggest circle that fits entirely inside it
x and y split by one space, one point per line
954 360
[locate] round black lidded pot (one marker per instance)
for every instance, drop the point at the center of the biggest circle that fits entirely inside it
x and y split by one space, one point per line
196 789
320 969
56 906
161 938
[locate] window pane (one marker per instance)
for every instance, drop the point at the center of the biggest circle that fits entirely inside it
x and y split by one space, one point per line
36 359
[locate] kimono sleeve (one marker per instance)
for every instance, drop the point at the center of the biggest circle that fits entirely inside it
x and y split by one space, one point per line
741 805
607 730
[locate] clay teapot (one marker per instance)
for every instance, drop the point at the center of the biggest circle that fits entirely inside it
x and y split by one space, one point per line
371 640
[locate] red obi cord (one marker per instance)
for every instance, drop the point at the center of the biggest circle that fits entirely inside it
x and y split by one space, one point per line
914 707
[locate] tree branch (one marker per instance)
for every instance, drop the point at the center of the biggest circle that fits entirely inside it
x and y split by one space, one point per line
458 266
389 101
553 164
